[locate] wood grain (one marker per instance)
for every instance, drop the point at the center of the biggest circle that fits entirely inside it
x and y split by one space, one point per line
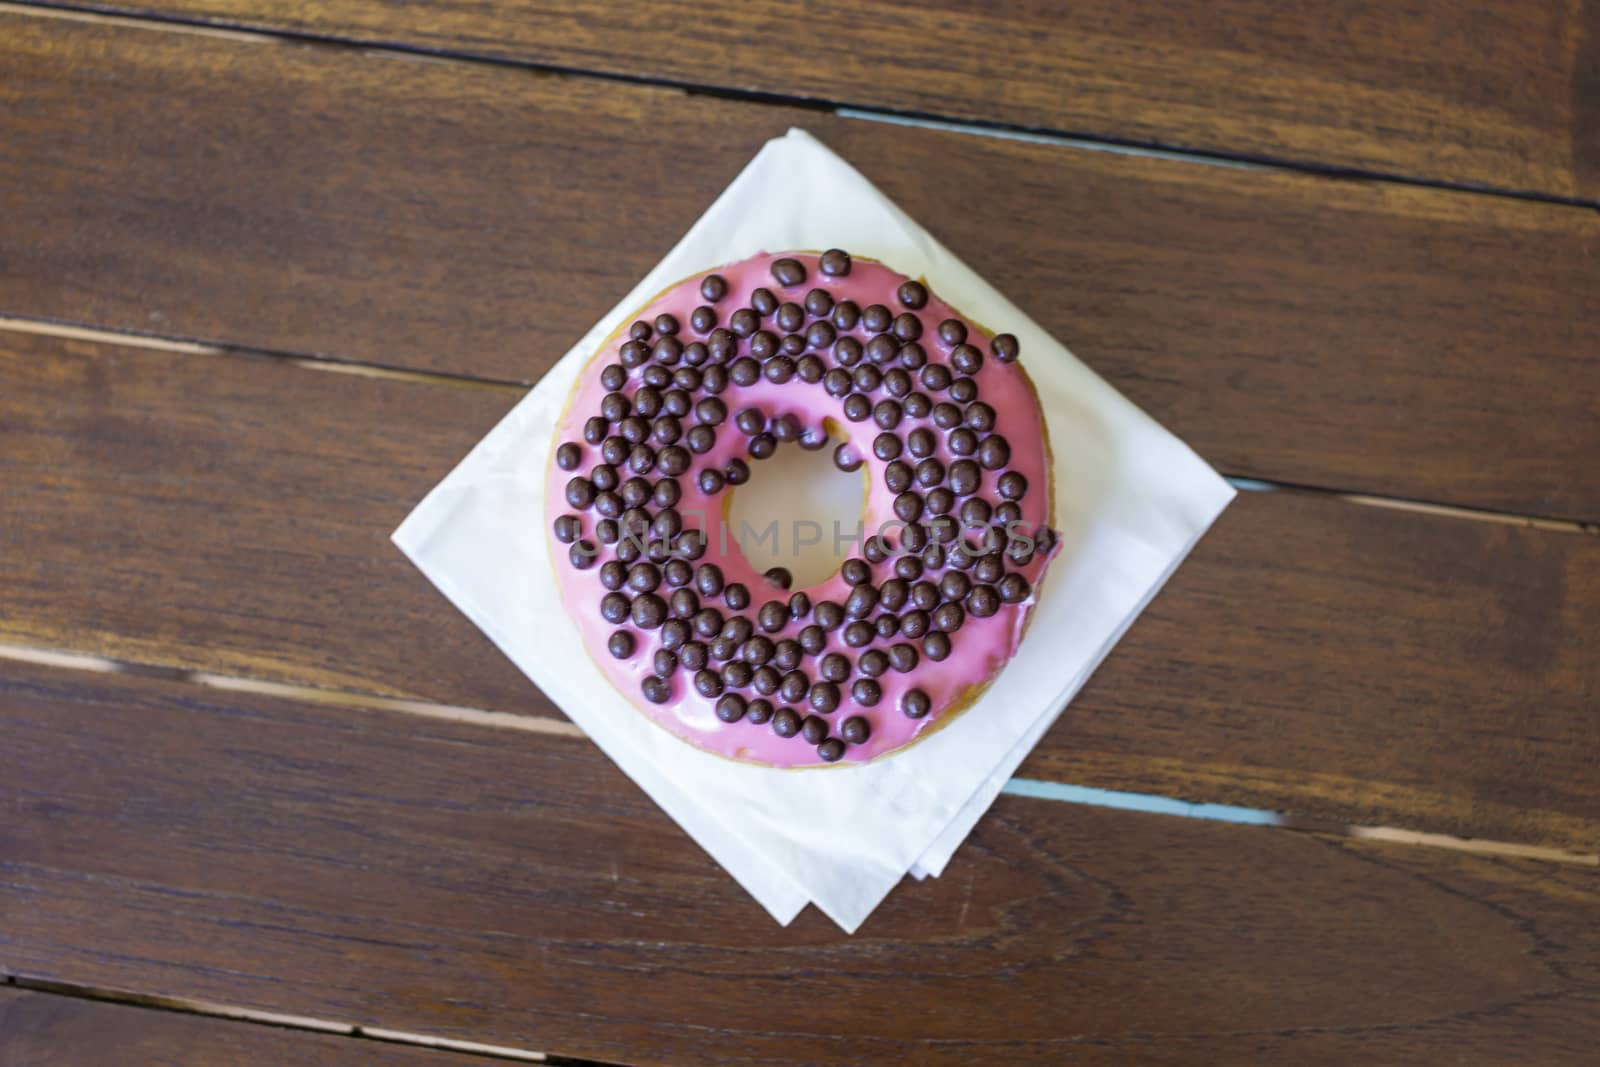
1503 94
46 1030
477 220
231 513
451 880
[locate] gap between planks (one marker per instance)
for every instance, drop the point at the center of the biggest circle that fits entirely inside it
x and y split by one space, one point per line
1059 792
233 1014
1080 140
335 365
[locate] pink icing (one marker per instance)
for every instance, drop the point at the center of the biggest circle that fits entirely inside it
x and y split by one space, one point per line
979 648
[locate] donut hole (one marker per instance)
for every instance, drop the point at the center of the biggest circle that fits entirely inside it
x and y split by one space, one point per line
789 511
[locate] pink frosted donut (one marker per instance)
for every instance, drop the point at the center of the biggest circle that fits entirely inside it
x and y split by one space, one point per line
716 374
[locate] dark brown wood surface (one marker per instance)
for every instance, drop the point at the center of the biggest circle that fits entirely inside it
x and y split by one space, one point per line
474 883
231 513
1352 335
1503 93
48 1030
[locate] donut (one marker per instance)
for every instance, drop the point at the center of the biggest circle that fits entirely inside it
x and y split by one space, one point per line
679 408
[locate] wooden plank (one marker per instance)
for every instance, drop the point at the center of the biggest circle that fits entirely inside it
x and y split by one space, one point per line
231 514
46 1030
447 879
1362 336
1502 95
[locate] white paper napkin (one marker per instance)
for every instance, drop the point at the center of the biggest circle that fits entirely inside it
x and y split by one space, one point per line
1130 501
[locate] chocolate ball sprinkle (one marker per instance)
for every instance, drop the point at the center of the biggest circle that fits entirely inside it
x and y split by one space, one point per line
908 506
983 601
731 707
743 323
866 378
708 622
759 711
912 294
896 382
915 704
965 477
846 458
736 596
794 687
700 439
677 572
872 664
824 698
936 646
963 390
757 650
833 667
952 331
847 353
702 319
835 263
620 644
1012 485
886 625
882 348
903 657
633 353
921 442
569 456
763 345
949 617
664 663
1004 347
831 750
866 691
737 675
925 596
930 472
568 528
837 382
963 442
907 327
935 377
683 602
829 616
813 639
1014 588
788 272
875 318
580 493
786 654
917 405
814 730
614 575
763 302
994 452
649 611
846 315
965 359
897 478
908 568
946 416
763 446
809 369
819 335
737 472
855 730
859 634
713 287
614 608
886 446
786 722
765 681
640 331
772 616
791 316
656 690
914 623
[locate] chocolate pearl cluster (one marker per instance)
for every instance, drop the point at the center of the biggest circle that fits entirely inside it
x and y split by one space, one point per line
764 657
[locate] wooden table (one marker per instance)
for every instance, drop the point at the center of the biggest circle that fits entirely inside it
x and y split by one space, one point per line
269 269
